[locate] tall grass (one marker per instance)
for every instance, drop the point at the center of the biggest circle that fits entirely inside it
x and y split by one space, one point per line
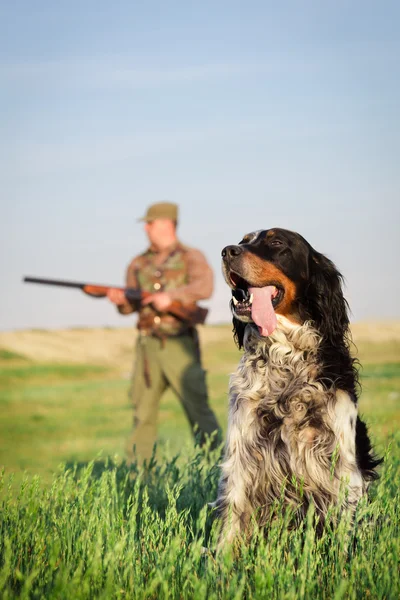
102 531
97 530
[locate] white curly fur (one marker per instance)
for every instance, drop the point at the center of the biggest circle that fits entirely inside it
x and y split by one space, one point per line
286 433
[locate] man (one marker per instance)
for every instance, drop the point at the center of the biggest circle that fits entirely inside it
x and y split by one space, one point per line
167 351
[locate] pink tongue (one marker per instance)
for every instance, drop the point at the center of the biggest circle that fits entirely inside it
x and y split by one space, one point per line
262 311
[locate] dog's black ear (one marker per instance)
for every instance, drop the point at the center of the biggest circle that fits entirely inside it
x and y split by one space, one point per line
324 299
238 331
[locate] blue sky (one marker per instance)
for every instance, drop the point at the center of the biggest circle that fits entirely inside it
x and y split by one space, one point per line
248 115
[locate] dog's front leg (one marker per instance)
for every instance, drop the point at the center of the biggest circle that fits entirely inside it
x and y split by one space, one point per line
234 503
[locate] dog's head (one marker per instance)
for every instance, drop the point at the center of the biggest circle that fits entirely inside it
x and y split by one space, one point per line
277 272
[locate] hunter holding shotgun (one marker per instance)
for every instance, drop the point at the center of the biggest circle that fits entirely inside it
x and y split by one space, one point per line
167 350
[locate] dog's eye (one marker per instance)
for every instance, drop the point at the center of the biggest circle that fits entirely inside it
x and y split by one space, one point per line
276 243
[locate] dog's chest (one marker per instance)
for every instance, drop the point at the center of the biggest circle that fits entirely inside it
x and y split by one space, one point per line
272 375
275 387
276 398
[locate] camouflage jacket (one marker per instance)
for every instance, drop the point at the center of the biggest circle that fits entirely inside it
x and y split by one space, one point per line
181 271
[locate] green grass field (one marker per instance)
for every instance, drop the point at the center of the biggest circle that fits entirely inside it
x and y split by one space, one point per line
75 525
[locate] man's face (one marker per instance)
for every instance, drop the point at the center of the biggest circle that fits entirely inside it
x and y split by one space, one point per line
158 230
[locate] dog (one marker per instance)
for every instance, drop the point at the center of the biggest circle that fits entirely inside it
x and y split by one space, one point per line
294 435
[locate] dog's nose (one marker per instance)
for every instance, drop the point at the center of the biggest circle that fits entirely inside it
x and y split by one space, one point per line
231 251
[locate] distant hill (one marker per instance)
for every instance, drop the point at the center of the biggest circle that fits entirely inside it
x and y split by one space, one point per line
114 346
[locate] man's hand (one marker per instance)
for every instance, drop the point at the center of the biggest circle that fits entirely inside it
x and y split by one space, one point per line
160 300
116 296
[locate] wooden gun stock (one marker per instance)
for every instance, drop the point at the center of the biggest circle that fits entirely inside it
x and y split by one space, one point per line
191 313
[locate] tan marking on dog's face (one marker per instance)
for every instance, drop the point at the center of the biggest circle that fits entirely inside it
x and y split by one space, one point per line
260 274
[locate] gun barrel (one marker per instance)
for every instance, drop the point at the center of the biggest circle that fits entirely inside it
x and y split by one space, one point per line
59 282
91 289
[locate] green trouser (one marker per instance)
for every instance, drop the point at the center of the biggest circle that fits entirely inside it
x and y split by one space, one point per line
172 362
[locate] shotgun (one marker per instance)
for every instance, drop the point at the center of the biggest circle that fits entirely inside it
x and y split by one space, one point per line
190 313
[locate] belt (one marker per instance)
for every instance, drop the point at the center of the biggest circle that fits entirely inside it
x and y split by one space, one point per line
164 336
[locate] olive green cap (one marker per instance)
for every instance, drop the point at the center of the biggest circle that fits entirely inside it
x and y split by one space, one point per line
161 210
